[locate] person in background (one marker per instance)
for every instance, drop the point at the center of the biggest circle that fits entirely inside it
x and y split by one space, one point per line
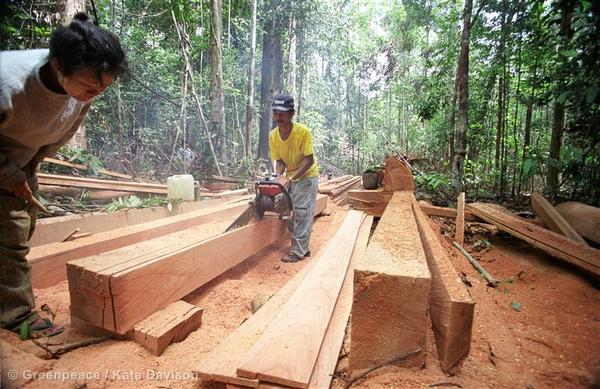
44 96
291 147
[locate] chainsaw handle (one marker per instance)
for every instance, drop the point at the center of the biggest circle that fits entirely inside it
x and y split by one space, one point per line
275 184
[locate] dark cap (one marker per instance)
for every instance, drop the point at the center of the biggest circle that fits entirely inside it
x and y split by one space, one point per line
282 102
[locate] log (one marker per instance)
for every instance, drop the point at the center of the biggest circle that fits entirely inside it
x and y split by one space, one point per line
397 176
92 183
584 218
558 246
220 186
287 351
85 167
391 290
459 236
450 304
224 179
170 325
553 219
48 261
54 229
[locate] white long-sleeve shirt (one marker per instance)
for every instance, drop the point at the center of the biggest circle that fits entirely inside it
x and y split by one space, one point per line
33 119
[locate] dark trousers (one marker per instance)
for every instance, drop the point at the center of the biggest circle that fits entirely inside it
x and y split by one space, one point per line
17 223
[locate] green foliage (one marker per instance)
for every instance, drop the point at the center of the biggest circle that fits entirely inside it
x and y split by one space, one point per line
133 201
432 182
81 156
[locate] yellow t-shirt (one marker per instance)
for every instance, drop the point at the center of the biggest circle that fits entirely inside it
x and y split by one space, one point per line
293 150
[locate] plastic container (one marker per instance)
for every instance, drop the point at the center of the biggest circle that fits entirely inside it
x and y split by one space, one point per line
181 187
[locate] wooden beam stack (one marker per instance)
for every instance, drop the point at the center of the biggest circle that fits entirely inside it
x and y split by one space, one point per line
48 261
338 188
117 289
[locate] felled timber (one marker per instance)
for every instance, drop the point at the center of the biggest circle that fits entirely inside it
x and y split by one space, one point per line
397 176
92 183
584 218
55 229
119 288
391 291
584 257
48 261
85 167
224 179
170 325
553 219
450 305
287 351
372 202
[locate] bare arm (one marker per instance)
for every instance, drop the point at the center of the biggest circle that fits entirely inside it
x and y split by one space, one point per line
304 166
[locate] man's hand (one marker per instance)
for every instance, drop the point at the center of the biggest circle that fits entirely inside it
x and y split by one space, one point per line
22 191
284 181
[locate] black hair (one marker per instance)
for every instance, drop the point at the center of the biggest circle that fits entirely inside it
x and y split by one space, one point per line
82 44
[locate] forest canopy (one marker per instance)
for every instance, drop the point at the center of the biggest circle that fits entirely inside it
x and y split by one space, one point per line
502 96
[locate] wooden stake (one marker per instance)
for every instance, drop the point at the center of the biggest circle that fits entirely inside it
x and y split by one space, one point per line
491 280
459 236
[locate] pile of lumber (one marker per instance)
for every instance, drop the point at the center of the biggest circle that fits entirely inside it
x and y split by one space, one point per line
339 187
56 229
117 289
220 183
295 338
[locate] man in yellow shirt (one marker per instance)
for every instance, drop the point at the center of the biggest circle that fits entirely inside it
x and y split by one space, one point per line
292 149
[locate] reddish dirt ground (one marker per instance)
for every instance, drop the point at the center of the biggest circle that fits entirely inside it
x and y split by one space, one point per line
552 341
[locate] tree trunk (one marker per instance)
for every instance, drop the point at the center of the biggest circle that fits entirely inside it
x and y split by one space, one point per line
266 87
217 98
291 78
463 100
67 9
251 76
555 144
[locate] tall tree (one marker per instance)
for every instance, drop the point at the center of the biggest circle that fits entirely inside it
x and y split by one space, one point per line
251 77
217 98
462 74
67 9
266 83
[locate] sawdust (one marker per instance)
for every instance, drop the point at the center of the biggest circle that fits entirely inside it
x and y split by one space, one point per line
551 342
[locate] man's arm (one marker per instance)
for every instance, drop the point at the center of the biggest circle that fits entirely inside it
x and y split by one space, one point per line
304 166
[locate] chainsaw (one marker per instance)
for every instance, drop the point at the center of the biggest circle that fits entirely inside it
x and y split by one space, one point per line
271 197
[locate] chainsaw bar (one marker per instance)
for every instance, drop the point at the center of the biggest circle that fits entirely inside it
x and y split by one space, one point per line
242 220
